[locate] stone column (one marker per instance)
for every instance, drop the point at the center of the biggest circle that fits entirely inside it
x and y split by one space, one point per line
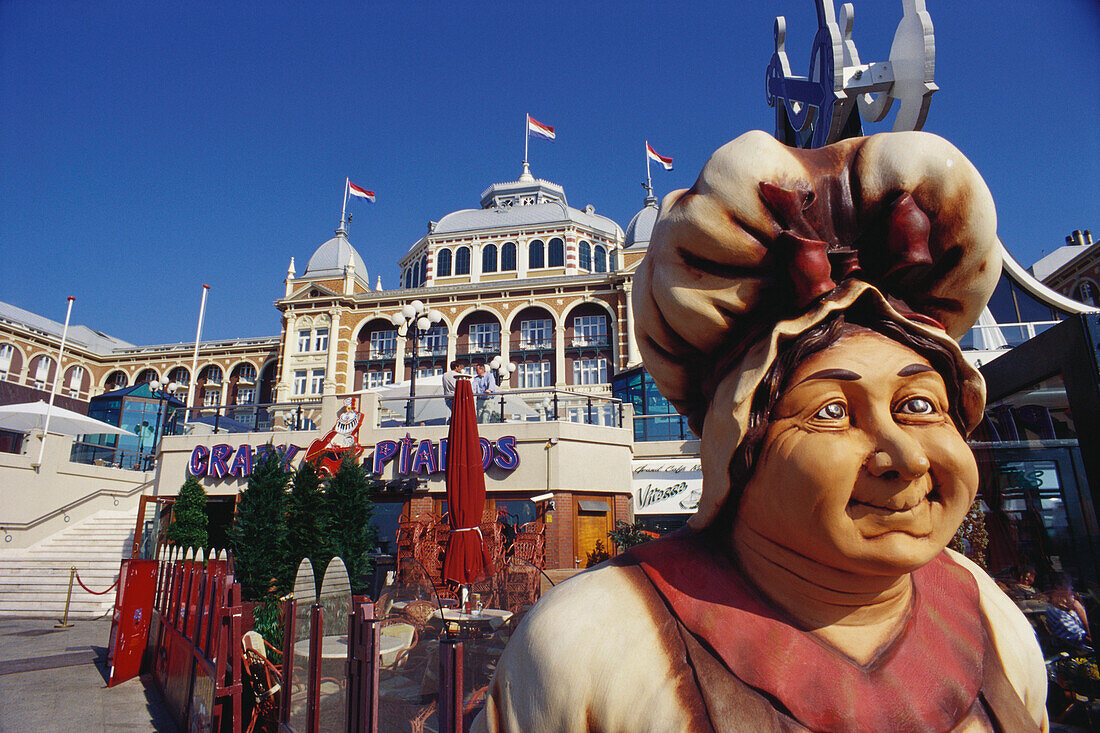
633 356
284 382
399 359
559 356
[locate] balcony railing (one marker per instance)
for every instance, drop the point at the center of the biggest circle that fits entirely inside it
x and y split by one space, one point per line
1002 335
483 347
507 406
661 427
589 341
287 416
535 344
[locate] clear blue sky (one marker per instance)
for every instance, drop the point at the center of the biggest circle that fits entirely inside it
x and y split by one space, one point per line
149 147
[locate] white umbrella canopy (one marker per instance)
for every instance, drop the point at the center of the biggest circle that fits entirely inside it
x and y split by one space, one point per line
29 416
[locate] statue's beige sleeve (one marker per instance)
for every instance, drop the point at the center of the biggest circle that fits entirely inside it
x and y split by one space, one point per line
1014 640
590 657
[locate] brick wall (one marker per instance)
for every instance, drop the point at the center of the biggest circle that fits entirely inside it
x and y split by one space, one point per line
559 533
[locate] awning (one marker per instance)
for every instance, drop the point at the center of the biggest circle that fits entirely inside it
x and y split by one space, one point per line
593 506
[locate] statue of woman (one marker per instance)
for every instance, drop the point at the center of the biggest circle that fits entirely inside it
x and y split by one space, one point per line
801 308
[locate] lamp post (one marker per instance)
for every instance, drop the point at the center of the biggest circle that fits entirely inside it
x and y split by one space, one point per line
413 320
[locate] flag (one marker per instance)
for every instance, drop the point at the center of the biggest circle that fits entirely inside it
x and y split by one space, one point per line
360 192
658 158
536 128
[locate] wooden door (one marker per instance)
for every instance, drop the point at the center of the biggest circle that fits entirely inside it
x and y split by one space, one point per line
591 523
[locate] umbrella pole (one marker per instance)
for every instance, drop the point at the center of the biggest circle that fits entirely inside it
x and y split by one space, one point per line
53 387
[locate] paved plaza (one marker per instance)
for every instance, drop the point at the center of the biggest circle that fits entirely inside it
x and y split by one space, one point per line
56 680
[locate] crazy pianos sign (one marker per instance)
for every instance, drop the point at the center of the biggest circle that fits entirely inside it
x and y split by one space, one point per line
408 456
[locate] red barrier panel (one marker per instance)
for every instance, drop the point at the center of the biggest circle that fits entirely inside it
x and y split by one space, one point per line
137 585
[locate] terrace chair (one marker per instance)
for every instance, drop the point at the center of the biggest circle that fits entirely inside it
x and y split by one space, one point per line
264 679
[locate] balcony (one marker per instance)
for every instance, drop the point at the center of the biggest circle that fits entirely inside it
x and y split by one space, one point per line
536 344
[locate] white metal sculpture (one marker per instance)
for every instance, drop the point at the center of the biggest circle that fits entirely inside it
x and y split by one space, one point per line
817 109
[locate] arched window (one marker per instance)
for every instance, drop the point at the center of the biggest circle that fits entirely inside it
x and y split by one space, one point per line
7 352
612 260
146 375
212 374
585 256
1086 293
41 373
556 256
443 263
599 259
462 261
489 258
117 380
535 255
508 257
180 376
423 271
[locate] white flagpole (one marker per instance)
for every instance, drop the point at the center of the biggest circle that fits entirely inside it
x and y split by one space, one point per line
344 211
56 377
195 356
648 177
526 135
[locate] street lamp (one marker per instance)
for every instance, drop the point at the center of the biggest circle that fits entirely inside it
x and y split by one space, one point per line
413 321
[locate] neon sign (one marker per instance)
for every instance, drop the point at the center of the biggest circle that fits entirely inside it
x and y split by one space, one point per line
409 456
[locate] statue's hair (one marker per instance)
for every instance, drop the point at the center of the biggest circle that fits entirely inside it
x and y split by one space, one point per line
795 352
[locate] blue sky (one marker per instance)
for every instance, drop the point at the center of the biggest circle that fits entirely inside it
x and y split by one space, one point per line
149 147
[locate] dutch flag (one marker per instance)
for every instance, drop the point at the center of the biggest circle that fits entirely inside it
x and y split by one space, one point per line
536 128
658 158
360 192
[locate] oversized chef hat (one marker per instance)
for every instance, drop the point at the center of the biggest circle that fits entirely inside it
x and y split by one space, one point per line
771 240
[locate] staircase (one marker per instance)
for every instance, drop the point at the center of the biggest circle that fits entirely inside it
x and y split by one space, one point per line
35 580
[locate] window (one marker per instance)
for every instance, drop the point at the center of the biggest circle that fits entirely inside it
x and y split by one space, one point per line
211 397
484 338
300 379
590 331
42 372
317 381
425 372
303 341
246 373
533 374
7 351
76 379
423 270
117 380
212 374
584 253
383 344
489 258
1086 293
434 341
462 261
180 376
536 334
320 341
556 254
373 380
599 256
443 263
146 375
536 256
508 257
246 395
590 371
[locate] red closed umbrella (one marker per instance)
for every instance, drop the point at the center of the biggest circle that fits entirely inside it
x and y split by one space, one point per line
466 560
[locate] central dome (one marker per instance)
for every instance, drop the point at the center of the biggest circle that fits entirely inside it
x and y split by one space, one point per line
332 256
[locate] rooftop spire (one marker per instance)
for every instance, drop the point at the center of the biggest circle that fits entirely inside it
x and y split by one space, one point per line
526 175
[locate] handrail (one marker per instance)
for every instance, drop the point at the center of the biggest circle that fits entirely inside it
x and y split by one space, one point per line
75 503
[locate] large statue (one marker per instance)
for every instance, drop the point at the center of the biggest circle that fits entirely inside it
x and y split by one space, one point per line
801 308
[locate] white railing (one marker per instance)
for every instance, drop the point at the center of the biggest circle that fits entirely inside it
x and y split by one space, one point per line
993 337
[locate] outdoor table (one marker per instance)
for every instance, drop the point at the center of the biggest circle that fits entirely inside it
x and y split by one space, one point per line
336 646
487 618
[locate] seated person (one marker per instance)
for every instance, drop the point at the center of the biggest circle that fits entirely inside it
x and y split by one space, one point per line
1066 618
1024 587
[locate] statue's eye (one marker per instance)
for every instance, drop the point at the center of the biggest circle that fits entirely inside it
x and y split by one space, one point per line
833 411
917 406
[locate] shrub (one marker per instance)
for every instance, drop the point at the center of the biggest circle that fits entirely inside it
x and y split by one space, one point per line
189 513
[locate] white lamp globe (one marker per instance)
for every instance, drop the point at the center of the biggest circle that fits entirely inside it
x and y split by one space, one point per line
512 367
418 306
495 363
423 323
397 319
435 316
408 311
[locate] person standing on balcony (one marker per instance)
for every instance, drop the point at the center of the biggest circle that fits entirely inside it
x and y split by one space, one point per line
483 384
450 378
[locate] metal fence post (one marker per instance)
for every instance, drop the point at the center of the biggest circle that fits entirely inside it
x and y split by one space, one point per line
313 690
450 686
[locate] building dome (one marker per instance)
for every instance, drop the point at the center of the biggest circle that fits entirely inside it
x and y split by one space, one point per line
640 228
332 256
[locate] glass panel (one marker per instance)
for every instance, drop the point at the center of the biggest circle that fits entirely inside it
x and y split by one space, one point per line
335 601
305 593
535 255
556 254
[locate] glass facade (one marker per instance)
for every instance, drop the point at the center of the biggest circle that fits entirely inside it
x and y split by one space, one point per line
654 416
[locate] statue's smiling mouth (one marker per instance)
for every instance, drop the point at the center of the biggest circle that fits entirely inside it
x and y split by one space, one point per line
896 504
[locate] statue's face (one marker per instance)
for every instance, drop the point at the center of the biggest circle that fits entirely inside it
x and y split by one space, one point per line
862 468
